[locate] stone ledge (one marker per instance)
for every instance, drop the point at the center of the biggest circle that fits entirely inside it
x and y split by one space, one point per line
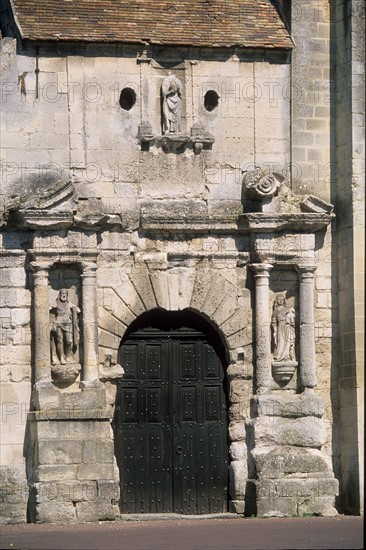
71 413
265 221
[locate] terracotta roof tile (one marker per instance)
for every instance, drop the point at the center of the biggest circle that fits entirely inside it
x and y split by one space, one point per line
247 23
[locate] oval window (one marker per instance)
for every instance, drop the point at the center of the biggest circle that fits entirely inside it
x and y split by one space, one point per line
127 99
211 100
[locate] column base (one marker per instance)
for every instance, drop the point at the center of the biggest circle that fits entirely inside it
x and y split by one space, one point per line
73 476
292 476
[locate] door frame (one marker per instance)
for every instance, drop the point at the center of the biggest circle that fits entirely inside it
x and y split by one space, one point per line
162 319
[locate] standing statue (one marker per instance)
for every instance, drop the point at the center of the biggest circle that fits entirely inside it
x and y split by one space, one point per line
283 327
171 90
65 329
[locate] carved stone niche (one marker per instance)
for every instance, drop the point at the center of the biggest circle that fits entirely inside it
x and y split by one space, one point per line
284 337
65 324
174 138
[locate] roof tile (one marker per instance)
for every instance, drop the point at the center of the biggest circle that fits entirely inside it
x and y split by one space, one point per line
249 23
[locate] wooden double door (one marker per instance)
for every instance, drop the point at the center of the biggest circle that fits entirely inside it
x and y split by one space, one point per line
171 424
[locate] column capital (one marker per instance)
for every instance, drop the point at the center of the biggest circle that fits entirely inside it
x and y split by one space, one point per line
261 270
37 267
89 269
306 271
40 272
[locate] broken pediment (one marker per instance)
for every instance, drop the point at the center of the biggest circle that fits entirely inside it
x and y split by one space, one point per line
269 204
51 207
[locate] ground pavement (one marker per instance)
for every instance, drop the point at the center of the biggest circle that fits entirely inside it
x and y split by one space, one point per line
311 533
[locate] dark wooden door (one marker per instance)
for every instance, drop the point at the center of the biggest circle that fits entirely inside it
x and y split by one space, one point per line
171 424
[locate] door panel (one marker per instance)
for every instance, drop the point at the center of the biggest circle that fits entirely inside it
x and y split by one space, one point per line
170 424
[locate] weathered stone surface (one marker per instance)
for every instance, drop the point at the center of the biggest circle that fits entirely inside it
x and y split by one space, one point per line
55 512
238 450
101 510
60 452
70 491
321 506
238 391
276 507
237 431
95 471
236 506
303 432
238 412
98 451
11 513
288 406
108 490
312 488
238 477
277 462
55 472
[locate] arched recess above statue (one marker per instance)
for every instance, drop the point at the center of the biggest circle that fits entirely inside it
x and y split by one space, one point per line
164 320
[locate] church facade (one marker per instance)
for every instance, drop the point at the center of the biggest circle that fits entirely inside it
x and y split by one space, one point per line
182 225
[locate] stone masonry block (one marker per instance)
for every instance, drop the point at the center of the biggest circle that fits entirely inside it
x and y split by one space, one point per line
238 477
81 430
13 277
95 471
98 451
312 488
108 490
69 491
237 431
303 432
276 506
238 450
237 413
143 286
275 462
102 510
322 506
55 512
88 399
12 513
60 452
236 506
288 406
238 390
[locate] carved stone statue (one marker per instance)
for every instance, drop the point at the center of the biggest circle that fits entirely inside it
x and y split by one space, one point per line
65 329
171 90
283 329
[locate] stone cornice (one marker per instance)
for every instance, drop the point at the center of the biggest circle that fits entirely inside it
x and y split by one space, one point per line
180 216
273 222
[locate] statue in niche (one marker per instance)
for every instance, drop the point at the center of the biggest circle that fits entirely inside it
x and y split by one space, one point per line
283 329
65 329
171 90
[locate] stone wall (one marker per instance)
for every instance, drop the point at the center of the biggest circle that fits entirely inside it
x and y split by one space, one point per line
349 153
161 221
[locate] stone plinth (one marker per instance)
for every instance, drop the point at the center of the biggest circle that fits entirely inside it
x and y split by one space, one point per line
73 470
290 474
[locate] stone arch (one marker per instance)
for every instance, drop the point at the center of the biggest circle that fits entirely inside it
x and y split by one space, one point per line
212 293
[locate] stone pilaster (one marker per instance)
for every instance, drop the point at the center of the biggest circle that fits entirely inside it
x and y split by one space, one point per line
42 360
307 327
90 322
262 327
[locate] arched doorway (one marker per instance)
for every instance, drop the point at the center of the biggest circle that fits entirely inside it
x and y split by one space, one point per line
171 416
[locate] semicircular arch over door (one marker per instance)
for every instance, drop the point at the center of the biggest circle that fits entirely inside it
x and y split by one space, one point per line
171 419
